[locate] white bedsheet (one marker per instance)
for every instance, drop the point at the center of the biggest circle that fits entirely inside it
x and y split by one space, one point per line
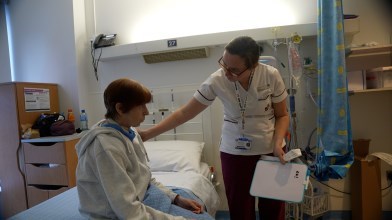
195 182
205 169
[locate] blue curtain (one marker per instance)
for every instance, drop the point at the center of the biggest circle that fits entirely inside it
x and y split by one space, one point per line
334 140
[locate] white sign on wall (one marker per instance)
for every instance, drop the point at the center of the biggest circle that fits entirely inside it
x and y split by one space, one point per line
37 99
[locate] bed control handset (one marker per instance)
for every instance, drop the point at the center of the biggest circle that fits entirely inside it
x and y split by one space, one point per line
212 174
212 177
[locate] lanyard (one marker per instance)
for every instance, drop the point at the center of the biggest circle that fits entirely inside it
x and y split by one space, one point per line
243 105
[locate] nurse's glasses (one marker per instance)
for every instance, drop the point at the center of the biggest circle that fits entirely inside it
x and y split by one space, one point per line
230 70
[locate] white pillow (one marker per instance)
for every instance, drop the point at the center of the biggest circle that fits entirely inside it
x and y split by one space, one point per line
174 155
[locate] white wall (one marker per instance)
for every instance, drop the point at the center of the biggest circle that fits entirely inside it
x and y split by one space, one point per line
45 48
5 66
375 20
140 21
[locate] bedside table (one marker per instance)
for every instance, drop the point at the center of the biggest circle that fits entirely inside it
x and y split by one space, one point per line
50 164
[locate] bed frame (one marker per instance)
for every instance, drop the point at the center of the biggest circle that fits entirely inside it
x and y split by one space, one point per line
168 99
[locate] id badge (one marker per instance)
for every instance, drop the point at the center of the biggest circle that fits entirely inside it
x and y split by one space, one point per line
243 143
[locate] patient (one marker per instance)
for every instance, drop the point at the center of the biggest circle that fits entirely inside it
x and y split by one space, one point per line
113 177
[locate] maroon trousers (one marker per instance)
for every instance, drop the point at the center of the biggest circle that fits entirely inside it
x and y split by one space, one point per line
237 175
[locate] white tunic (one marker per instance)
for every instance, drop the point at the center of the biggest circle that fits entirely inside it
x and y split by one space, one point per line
267 87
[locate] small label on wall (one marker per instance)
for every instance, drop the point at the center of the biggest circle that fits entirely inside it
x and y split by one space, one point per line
172 43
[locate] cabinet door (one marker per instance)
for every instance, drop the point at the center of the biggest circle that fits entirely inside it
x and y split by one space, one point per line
13 193
72 161
366 199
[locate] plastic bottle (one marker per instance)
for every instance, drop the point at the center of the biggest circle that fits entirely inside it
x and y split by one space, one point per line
70 115
83 120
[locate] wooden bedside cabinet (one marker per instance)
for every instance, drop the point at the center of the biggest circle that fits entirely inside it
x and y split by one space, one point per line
50 164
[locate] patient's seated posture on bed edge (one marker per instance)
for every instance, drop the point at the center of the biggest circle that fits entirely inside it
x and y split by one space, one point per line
113 177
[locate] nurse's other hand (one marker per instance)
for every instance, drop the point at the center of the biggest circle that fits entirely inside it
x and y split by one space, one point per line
279 152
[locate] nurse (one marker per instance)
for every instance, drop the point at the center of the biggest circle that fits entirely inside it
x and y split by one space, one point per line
255 122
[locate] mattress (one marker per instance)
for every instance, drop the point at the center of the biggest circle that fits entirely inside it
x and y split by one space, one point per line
65 205
176 164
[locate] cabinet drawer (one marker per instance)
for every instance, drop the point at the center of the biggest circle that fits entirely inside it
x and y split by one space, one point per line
45 175
46 152
37 195
53 192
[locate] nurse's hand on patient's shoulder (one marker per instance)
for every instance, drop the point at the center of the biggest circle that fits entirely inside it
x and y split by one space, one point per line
142 134
189 204
279 152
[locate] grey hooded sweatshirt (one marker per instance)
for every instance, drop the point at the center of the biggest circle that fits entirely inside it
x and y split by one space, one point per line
113 176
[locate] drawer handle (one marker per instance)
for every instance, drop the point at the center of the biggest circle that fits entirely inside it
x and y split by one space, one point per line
43 144
47 187
46 165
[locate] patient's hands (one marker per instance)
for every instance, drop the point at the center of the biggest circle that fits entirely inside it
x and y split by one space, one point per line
189 204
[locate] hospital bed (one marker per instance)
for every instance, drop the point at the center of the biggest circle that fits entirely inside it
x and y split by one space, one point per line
177 164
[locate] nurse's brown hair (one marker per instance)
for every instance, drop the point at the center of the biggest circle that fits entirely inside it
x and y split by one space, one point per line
246 48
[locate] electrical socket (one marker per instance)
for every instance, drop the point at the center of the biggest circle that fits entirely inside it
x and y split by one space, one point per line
389 175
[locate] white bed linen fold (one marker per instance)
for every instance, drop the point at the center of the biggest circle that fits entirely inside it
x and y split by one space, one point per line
205 169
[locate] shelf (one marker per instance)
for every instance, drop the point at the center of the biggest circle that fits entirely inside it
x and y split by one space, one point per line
205 40
370 90
370 50
364 58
